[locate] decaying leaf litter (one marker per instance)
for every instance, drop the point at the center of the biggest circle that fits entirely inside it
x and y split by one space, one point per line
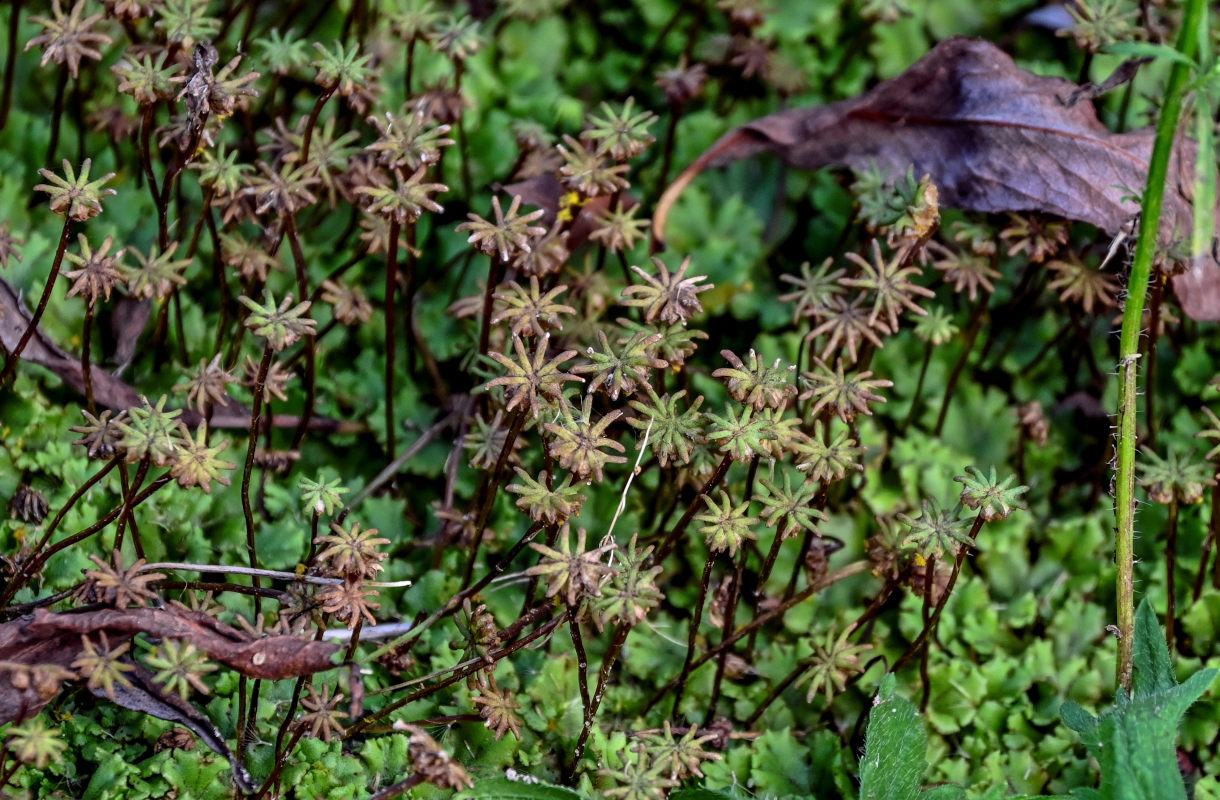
993 138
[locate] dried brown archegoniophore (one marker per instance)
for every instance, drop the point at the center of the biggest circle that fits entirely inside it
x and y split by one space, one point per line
994 138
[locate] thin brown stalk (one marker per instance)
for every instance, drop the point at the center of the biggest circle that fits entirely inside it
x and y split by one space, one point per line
617 639
14 356
930 625
256 409
730 617
57 114
391 284
972 332
402 787
477 664
671 540
489 489
129 504
692 634
310 343
582 680
10 61
36 562
854 568
86 366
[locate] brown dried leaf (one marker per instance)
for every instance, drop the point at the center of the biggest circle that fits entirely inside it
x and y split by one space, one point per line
993 137
268 658
36 655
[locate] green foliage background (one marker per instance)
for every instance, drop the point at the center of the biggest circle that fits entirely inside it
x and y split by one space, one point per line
1025 628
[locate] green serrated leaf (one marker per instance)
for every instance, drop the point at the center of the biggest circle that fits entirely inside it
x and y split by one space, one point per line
780 765
1134 740
1153 667
894 749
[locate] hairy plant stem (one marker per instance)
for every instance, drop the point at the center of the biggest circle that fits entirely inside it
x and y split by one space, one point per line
14 356
256 410
1209 542
1129 339
1154 325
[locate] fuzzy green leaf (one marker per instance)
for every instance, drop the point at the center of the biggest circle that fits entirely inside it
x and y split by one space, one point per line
1134 739
894 749
1153 669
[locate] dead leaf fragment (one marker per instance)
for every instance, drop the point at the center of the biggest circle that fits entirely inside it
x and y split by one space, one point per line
994 138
